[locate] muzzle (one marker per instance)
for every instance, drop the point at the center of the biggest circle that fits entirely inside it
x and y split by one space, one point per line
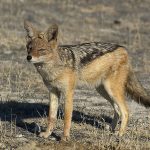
29 57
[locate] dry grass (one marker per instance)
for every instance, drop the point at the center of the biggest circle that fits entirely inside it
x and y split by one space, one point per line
23 96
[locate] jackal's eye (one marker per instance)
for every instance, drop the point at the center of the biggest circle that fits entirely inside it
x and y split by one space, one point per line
42 51
29 47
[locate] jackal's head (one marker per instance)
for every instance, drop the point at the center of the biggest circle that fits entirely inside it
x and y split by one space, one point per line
40 45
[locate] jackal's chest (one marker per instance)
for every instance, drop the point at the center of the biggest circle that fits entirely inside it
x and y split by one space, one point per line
43 73
49 75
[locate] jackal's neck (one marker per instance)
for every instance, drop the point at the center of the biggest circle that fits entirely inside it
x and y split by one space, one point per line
66 56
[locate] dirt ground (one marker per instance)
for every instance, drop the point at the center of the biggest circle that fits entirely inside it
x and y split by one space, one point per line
23 96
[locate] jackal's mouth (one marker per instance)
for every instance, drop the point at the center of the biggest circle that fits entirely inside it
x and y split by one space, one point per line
34 59
34 62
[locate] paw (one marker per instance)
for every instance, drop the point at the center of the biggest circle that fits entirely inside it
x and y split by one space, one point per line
116 133
65 138
45 134
119 133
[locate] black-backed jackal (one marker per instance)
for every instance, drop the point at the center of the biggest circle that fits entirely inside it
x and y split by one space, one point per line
104 66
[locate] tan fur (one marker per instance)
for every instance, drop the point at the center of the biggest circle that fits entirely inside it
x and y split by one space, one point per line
103 66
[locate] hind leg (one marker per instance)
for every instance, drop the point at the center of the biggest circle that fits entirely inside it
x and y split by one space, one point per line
120 109
115 86
101 90
116 97
116 116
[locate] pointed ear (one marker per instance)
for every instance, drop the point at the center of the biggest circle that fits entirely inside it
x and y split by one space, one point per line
31 31
52 33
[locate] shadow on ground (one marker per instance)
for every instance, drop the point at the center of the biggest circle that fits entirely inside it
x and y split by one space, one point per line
10 111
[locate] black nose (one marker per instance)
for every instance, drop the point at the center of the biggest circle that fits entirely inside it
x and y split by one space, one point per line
29 57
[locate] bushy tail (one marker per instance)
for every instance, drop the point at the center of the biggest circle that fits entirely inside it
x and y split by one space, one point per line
136 91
